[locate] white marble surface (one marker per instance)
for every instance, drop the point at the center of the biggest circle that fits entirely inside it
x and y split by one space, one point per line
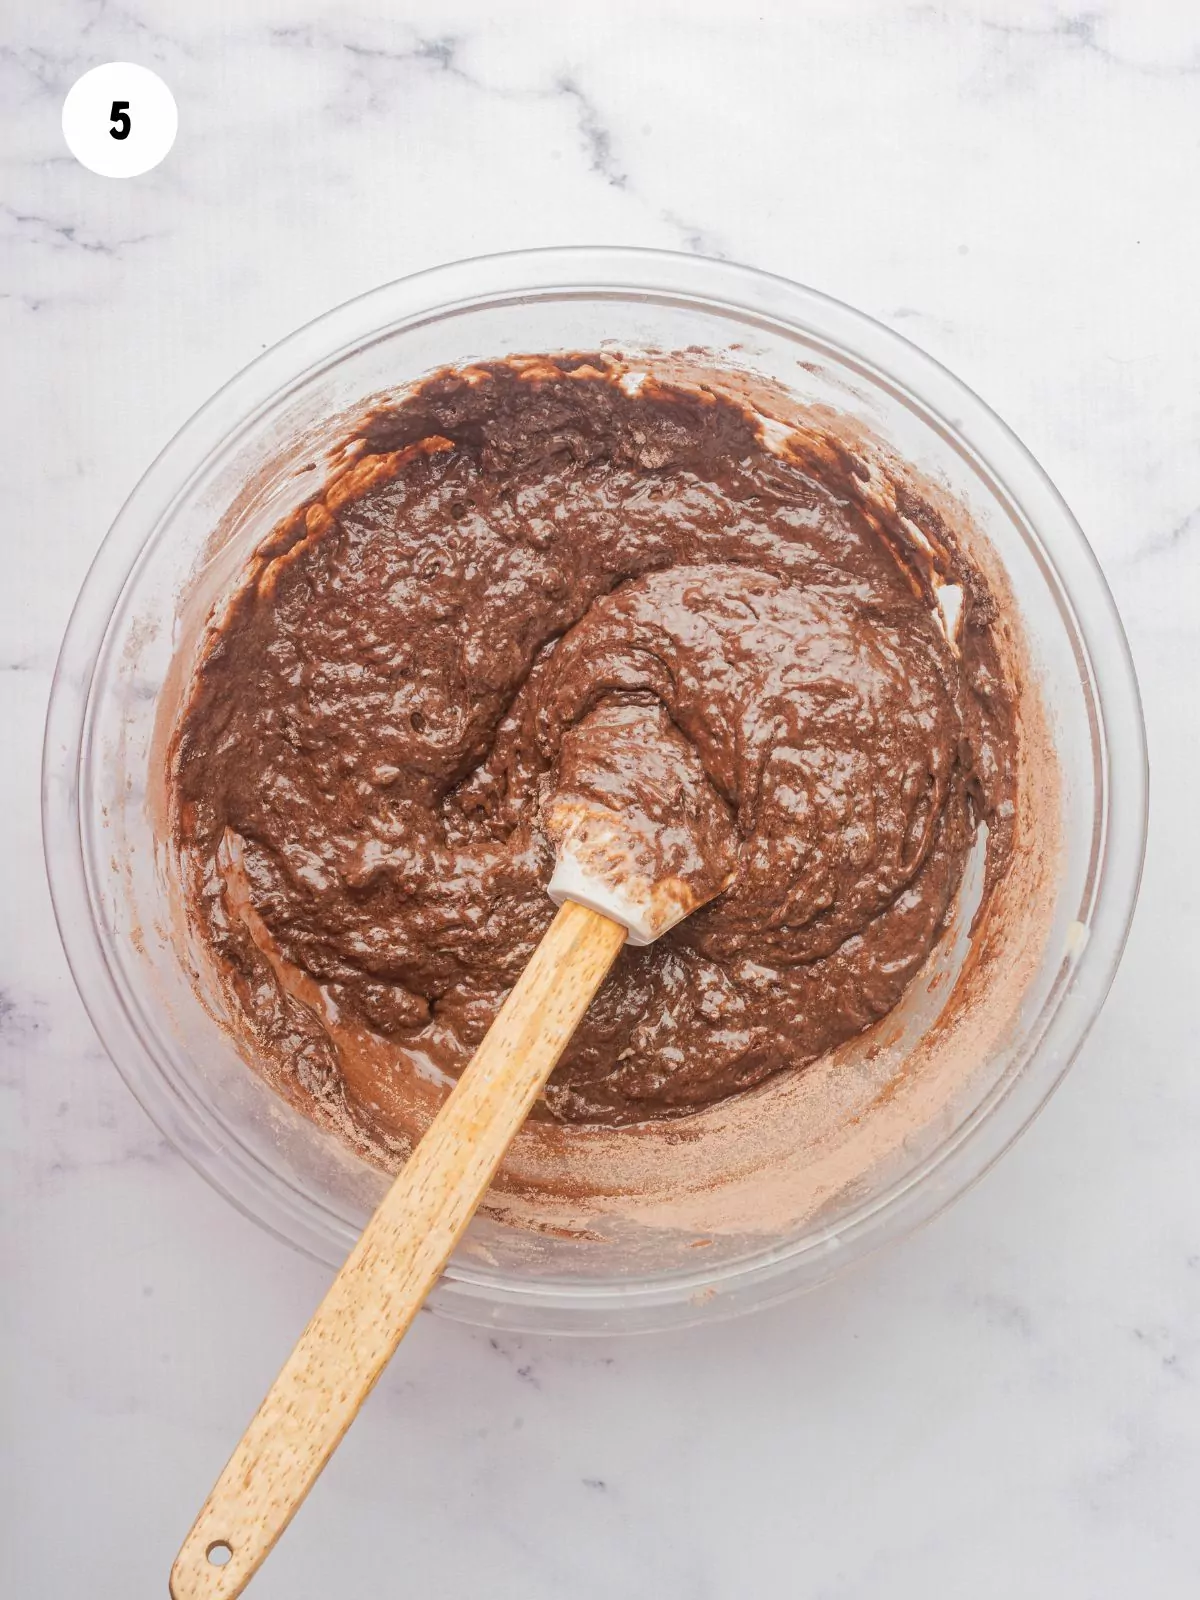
1007 1404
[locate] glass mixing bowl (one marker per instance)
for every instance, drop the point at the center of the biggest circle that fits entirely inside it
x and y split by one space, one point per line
239 465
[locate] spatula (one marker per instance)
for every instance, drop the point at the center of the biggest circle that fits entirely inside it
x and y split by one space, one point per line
609 890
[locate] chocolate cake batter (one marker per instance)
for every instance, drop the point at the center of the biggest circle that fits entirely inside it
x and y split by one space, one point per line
541 587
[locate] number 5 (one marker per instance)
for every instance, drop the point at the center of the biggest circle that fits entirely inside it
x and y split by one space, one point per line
119 117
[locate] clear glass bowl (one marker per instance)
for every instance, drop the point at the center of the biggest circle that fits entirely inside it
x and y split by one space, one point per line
238 465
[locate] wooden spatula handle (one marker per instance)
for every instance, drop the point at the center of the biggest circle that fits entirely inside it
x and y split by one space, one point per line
394 1265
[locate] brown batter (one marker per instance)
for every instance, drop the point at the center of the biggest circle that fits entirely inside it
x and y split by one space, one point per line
535 589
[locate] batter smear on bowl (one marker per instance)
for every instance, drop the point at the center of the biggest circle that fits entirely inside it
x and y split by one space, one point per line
541 588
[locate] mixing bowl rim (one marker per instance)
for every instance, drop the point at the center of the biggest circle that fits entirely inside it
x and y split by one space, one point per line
922 383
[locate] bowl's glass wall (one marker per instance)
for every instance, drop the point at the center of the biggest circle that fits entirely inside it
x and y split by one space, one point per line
268 427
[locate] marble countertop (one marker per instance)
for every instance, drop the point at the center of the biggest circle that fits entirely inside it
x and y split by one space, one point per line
1009 1402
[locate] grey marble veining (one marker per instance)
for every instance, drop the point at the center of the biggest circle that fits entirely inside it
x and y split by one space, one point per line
1010 1401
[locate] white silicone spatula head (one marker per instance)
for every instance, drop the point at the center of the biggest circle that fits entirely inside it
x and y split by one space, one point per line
595 867
640 834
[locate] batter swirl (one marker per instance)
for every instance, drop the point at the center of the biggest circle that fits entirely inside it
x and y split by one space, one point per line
538 584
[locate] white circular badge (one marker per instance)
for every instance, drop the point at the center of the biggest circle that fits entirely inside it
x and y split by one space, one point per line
119 120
